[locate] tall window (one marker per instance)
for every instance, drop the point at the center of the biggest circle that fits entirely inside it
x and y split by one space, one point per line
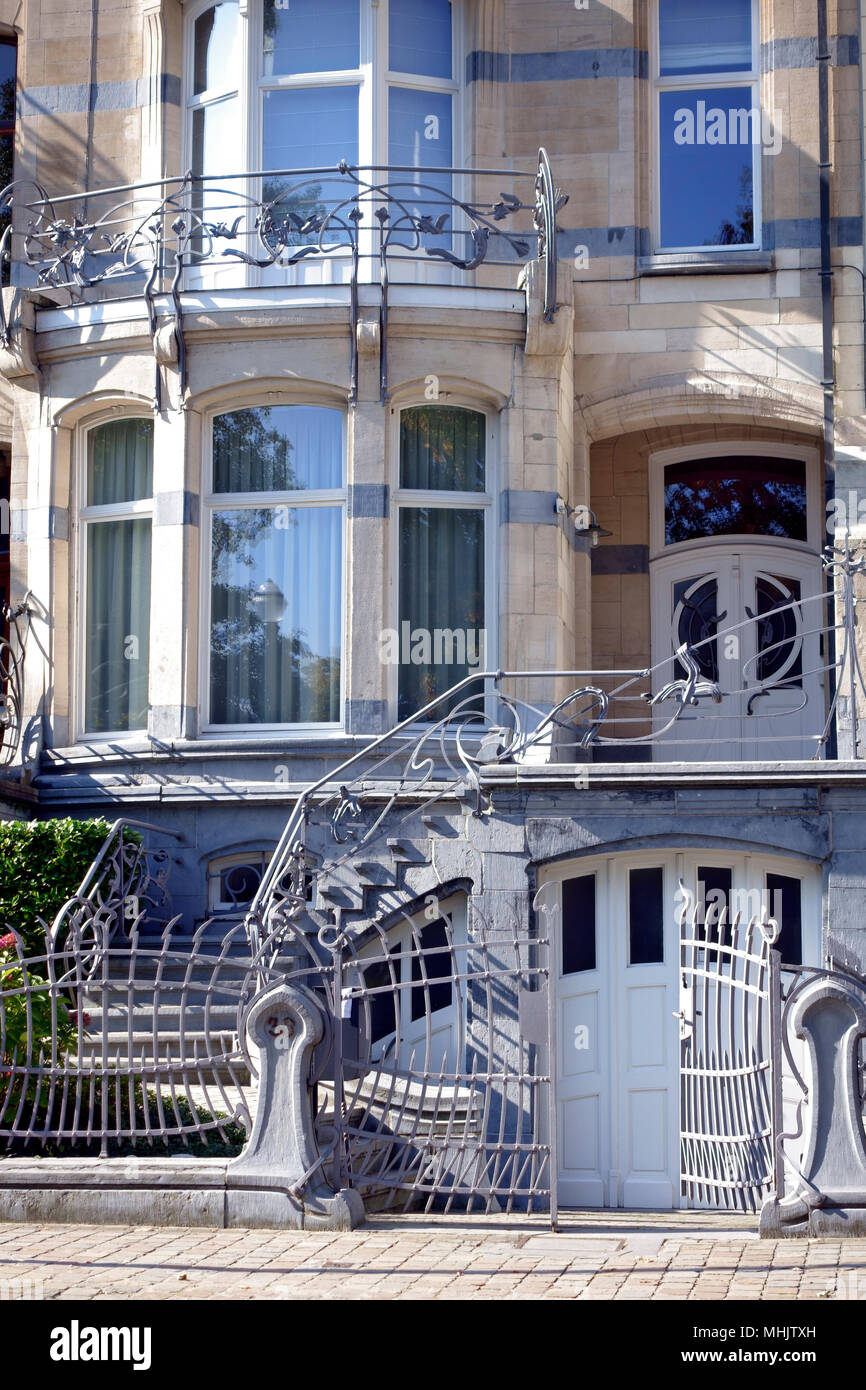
276 544
443 510
371 82
215 117
117 528
710 131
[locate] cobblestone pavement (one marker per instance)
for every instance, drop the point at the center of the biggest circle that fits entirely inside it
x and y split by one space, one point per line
608 1256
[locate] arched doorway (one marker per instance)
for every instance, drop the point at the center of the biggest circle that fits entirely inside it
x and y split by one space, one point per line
736 576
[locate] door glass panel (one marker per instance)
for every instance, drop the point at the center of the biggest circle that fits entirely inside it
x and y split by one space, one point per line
646 916
578 924
696 622
437 966
382 975
779 645
735 496
713 899
785 903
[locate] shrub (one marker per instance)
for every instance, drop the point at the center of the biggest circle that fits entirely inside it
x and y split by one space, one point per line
42 864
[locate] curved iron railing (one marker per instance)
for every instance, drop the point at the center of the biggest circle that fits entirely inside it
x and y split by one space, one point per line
164 237
481 723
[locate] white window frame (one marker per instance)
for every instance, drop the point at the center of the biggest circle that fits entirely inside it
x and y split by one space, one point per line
815 518
216 867
87 516
430 497
751 83
256 501
372 77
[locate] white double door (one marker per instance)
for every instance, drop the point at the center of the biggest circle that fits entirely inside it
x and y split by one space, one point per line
617 982
752 615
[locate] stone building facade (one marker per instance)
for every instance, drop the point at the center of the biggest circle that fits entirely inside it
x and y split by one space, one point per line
687 392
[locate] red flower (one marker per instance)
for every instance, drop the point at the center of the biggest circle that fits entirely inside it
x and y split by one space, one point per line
7 942
86 1020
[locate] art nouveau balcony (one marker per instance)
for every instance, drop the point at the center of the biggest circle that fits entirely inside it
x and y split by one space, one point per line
343 239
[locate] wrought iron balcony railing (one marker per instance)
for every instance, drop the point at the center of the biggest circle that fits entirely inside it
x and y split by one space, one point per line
182 233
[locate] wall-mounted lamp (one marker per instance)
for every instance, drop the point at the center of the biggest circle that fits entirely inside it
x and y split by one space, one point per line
584 520
268 602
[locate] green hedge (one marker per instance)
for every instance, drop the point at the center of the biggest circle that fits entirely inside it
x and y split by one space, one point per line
41 865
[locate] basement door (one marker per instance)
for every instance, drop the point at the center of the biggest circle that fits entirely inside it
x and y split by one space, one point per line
617 982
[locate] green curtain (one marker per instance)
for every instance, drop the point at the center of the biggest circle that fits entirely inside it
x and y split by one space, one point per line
118 624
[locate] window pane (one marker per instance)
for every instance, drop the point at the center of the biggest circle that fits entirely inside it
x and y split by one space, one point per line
578 924
383 1007
706 142
419 37
778 631
713 900
442 636
419 135
216 57
697 37
432 937
117 634
646 916
278 449
298 37
735 496
313 128
239 884
442 447
276 662
120 462
8 54
696 620
216 151
785 904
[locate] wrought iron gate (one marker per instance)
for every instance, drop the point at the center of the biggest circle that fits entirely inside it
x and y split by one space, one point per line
729 1104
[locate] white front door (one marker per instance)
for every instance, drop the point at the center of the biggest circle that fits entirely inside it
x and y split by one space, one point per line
751 617
617 982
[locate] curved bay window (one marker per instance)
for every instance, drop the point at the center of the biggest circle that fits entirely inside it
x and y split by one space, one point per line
443 514
371 82
116 521
276 577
